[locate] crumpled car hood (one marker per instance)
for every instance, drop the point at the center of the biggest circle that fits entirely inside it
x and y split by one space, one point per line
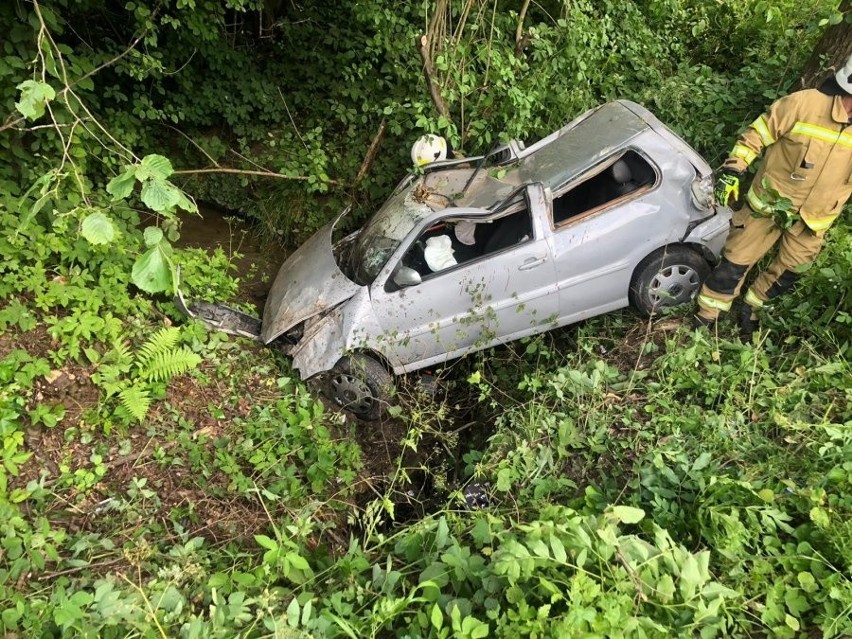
309 282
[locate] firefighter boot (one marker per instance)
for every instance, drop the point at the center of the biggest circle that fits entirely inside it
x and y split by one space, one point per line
749 323
699 321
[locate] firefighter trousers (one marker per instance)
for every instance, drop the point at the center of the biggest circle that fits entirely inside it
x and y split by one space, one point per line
750 239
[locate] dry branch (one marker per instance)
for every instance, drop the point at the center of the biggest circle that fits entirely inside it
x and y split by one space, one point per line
272 174
371 152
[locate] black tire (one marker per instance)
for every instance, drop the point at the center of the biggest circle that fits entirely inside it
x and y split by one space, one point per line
360 385
668 277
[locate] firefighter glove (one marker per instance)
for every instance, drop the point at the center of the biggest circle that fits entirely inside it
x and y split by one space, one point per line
728 187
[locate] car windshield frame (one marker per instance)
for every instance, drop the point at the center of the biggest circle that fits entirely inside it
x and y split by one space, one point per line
383 234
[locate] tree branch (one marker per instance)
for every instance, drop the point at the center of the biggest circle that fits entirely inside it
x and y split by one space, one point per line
519 32
193 143
371 152
429 72
12 122
272 174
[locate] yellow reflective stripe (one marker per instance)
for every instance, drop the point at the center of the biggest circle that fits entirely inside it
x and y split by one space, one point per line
762 129
744 152
821 223
753 300
757 205
822 133
710 302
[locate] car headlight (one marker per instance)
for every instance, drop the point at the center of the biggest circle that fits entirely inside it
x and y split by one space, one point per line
702 192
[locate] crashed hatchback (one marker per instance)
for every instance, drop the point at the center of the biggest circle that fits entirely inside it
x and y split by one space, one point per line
611 210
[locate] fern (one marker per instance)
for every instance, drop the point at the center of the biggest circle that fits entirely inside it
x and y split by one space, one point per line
121 355
135 400
157 360
162 341
164 365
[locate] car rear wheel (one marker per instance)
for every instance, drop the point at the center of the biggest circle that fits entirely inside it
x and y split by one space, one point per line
361 385
668 277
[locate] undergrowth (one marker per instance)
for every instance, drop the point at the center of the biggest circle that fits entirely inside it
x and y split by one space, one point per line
159 480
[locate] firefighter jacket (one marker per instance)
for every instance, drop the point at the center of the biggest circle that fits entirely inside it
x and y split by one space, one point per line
807 139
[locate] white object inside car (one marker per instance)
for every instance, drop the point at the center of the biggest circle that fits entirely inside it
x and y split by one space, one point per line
465 230
439 253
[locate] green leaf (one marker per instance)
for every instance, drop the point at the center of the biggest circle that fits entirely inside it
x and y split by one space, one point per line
702 462
34 95
160 195
293 613
307 609
186 203
558 550
627 514
266 542
442 534
791 622
820 517
436 617
152 235
298 562
481 532
690 577
152 271
97 228
154 167
121 186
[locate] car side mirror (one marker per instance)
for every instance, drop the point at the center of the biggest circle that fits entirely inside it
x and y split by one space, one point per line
406 276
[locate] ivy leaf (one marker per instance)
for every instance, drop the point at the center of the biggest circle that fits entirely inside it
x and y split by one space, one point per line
121 186
34 95
154 167
97 228
152 235
159 195
152 272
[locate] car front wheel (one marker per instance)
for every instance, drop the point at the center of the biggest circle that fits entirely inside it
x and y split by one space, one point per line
360 384
668 277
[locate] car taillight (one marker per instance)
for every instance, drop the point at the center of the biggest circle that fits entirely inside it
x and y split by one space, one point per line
702 192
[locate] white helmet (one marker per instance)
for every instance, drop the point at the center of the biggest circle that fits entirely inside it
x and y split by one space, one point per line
428 148
844 76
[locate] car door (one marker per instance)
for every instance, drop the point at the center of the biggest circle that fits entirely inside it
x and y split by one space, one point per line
501 295
596 250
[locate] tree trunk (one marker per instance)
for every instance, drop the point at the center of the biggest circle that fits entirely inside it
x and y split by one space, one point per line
831 51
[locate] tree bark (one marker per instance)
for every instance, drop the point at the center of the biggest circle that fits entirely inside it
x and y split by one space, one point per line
429 74
831 52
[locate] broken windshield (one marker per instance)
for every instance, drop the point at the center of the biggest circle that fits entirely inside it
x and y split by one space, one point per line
383 234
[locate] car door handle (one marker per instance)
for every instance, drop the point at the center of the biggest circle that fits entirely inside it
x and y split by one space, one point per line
532 262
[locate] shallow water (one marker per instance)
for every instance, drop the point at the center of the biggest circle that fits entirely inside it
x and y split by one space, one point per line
256 259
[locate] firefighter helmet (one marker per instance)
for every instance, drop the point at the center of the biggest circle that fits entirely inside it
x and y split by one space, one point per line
428 148
844 76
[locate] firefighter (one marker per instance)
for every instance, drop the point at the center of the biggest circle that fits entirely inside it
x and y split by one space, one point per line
800 189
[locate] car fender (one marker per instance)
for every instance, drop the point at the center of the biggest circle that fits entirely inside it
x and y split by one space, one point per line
348 327
711 232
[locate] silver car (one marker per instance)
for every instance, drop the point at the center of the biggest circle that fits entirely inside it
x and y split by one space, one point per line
612 210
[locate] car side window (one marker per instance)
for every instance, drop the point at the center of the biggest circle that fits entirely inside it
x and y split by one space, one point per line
623 177
445 245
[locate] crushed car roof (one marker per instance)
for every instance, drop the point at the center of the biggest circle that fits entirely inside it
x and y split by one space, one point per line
553 161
